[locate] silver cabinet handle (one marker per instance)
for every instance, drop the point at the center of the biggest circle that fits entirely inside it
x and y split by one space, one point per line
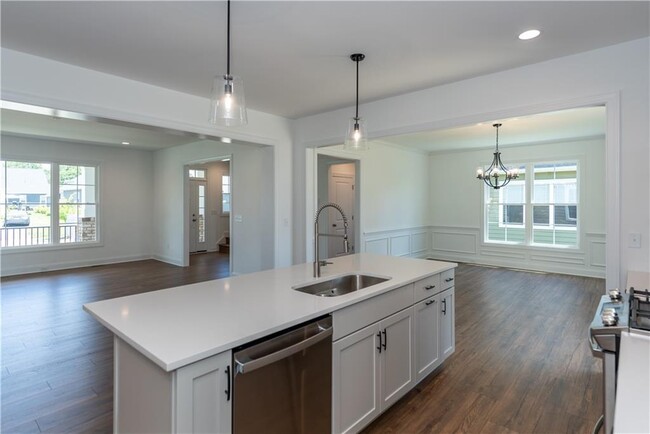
428 287
249 365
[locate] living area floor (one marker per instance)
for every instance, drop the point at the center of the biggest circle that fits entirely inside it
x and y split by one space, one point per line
522 361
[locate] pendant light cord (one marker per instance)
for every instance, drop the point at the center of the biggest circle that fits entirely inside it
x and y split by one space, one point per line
228 43
357 108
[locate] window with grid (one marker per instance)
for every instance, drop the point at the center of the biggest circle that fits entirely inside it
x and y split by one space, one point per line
225 194
536 210
47 203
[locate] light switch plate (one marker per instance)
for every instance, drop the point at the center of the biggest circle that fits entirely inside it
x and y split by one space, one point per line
239 218
634 240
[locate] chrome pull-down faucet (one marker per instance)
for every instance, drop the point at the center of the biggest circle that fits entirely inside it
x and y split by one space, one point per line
346 245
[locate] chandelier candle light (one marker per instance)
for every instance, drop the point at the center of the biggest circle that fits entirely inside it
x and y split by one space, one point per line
356 139
227 105
497 170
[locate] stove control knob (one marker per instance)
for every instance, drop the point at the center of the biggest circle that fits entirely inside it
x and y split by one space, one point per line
609 320
609 311
615 294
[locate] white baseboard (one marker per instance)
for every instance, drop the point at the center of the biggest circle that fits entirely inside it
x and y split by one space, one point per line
39 268
168 260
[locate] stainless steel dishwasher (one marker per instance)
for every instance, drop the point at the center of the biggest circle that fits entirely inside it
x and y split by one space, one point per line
284 384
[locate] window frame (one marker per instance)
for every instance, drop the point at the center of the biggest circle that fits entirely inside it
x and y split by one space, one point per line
226 213
55 163
528 210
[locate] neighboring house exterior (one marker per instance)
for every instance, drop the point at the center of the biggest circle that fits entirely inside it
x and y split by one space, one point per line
27 187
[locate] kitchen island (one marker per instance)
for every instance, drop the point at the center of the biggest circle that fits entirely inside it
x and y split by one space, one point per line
166 340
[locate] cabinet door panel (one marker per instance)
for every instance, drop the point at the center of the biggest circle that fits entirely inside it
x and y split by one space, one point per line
427 348
397 358
201 402
355 377
447 325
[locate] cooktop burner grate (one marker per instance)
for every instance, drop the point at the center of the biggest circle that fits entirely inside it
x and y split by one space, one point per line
640 309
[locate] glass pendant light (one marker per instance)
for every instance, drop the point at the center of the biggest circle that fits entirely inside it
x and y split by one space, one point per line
356 139
497 175
227 105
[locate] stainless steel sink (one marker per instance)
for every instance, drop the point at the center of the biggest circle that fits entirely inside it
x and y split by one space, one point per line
341 285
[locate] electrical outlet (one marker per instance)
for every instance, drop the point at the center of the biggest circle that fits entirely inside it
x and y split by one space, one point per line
634 240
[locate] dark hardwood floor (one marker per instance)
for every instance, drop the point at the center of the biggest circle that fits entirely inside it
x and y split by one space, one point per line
522 362
57 366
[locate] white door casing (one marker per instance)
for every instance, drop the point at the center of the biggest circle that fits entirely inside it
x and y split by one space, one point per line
342 192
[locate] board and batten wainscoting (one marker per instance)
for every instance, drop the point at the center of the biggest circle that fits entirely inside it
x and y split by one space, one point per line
464 244
413 242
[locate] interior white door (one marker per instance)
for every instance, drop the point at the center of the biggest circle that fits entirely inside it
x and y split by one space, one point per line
341 192
197 217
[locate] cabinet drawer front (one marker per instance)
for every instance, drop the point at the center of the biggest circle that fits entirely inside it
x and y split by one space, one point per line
357 316
427 287
447 279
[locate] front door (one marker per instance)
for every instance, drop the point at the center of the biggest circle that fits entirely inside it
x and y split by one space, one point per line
198 234
341 192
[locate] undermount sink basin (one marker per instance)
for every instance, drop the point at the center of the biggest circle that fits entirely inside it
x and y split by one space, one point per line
341 285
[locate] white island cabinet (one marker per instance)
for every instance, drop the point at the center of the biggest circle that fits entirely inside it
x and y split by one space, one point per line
401 343
371 369
173 347
193 399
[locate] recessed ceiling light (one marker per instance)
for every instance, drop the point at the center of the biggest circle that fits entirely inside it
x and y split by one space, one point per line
529 34
126 143
226 140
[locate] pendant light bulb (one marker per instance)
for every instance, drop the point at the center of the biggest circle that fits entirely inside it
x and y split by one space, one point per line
227 104
356 139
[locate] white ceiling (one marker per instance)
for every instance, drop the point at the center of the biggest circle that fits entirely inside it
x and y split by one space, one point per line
71 130
294 55
562 125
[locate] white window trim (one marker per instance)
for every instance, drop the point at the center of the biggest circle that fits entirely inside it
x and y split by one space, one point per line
55 163
528 206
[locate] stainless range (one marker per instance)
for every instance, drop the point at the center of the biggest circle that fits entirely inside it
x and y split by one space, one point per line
617 312
610 320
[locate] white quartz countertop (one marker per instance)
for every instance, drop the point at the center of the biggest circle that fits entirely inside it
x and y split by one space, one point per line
632 413
177 326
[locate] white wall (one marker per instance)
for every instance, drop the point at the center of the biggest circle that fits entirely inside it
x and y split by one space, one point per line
251 171
456 232
125 202
394 199
36 80
620 69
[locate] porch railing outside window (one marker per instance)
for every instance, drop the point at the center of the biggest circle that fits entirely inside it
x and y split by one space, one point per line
34 211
